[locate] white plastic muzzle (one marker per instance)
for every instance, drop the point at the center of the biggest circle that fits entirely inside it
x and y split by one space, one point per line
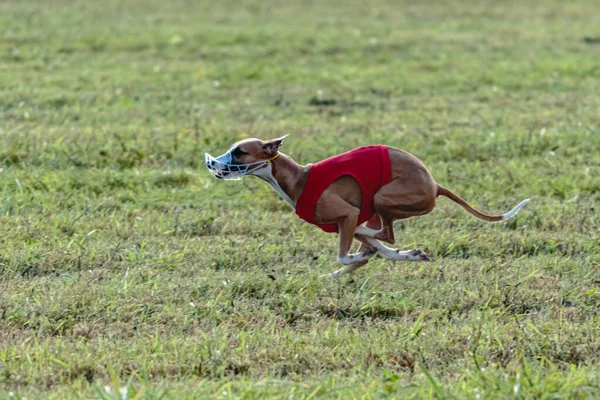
224 169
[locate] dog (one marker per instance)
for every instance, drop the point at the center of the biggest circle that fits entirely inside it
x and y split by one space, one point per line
358 194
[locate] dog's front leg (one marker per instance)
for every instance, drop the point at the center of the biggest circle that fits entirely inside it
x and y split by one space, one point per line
348 268
331 207
347 226
352 267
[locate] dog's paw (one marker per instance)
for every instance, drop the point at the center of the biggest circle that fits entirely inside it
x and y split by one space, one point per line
421 255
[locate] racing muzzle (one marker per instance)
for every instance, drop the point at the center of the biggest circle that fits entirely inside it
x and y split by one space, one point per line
222 168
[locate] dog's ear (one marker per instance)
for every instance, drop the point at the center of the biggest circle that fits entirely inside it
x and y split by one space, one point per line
271 147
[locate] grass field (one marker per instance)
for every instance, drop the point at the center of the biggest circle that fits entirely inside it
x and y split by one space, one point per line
127 270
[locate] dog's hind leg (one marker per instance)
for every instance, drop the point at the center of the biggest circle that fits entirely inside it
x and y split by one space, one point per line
371 228
402 198
394 254
378 227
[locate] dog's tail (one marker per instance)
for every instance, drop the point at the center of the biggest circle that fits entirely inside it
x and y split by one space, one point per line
442 191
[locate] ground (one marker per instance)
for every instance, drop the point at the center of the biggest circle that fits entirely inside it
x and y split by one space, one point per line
126 268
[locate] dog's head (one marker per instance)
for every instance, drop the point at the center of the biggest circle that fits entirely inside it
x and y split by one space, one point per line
244 158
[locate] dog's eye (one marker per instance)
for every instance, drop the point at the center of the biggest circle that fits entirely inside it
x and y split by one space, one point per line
238 152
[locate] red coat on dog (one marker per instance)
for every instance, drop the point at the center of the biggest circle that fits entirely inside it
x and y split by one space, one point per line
369 165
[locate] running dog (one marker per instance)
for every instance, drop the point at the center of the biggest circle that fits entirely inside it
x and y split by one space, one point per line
358 194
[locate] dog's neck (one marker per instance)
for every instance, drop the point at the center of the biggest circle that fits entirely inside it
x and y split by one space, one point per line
285 176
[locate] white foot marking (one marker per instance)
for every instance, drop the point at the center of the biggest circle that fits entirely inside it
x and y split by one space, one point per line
364 255
407 255
397 255
363 230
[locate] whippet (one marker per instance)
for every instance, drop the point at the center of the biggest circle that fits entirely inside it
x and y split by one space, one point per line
358 194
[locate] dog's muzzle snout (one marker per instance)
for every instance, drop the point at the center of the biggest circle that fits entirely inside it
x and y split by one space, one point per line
212 165
228 170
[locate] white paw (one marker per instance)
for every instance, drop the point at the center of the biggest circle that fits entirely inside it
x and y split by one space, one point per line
358 257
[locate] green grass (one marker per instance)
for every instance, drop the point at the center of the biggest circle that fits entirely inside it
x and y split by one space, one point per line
123 264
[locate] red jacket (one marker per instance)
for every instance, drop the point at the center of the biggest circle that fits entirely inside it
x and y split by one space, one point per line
371 168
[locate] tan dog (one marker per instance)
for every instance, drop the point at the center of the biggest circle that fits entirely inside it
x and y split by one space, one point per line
411 191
